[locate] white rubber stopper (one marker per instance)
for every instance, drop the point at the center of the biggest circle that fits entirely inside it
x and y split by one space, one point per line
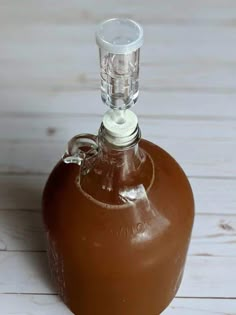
121 129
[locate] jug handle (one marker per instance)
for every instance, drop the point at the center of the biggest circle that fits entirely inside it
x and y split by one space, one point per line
81 148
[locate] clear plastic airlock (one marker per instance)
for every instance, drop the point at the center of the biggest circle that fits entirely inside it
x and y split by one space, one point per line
119 42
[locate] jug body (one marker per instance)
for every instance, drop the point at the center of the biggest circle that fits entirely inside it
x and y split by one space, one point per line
118 239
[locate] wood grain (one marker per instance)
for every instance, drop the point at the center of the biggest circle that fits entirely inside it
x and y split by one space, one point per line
48 305
196 157
212 195
201 307
65 126
203 277
21 230
213 235
202 147
21 192
26 272
49 91
32 305
160 104
34 60
182 12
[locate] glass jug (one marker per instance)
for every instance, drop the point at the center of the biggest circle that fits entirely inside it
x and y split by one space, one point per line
118 209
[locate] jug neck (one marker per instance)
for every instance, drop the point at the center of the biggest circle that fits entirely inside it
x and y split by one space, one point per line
118 175
123 160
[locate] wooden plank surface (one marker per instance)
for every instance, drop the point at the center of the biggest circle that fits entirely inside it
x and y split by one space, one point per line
42 65
161 104
213 235
196 157
182 12
30 274
49 91
61 127
35 144
212 195
48 305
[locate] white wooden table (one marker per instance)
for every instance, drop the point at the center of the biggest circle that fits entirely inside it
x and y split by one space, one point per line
49 91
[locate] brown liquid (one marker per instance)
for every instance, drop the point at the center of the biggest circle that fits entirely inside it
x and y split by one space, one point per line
113 257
